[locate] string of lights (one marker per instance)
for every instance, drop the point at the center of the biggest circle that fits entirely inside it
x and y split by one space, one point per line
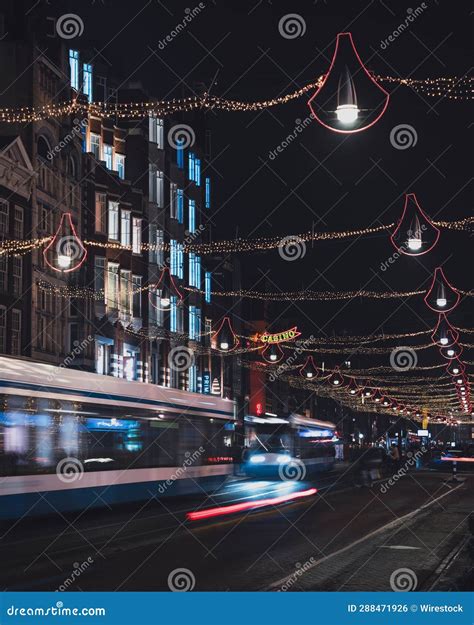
449 87
308 295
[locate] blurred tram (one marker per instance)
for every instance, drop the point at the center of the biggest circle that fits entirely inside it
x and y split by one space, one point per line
281 447
73 440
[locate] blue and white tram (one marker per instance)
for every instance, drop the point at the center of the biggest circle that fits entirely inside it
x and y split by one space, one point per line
72 440
273 442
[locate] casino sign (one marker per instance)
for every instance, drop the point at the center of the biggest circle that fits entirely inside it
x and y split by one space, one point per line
280 337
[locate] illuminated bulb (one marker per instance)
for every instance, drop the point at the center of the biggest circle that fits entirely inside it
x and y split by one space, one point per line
347 113
415 243
450 352
455 370
309 374
444 340
463 388
459 380
165 302
367 393
335 382
441 302
224 345
353 391
385 402
64 261
377 399
273 356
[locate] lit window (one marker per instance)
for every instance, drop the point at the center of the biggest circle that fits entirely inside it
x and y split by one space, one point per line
194 270
156 131
87 81
192 379
108 156
173 257
160 240
18 222
208 193
191 166
207 287
192 216
137 236
197 172
113 232
180 153
180 205
194 323
100 212
112 286
125 291
173 313
180 260
120 165
95 145
74 68
173 200
137 296
160 189
125 229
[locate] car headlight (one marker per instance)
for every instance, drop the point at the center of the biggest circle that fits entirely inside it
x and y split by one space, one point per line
283 458
257 458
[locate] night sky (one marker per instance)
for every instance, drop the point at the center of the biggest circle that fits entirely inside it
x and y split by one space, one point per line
336 181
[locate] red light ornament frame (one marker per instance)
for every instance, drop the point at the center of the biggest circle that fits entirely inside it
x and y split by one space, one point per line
67 240
214 336
367 73
439 271
450 332
412 197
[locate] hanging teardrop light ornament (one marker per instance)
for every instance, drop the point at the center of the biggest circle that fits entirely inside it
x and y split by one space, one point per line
65 252
377 397
272 353
455 367
414 234
453 351
386 403
309 371
353 388
336 379
224 338
349 99
441 297
444 335
160 293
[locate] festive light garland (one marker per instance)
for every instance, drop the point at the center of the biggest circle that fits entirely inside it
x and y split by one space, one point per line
452 88
18 247
309 295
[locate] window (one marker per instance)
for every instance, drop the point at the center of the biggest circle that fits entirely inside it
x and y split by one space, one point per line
120 165
197 172
108 156
113 232
87 81
99 274
180 153
137 235
207 287
180 205
192 216
3 273
18 223
17 269
194 323
173 313
156 186
3 218
156 131
125 292
3 329
102 357
160 240
95 145
173 200
173 257
137 296
160 189
191 166
100 213
208 193
192 379
112 285
194 270
16 332
74 68
125 230
180 260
